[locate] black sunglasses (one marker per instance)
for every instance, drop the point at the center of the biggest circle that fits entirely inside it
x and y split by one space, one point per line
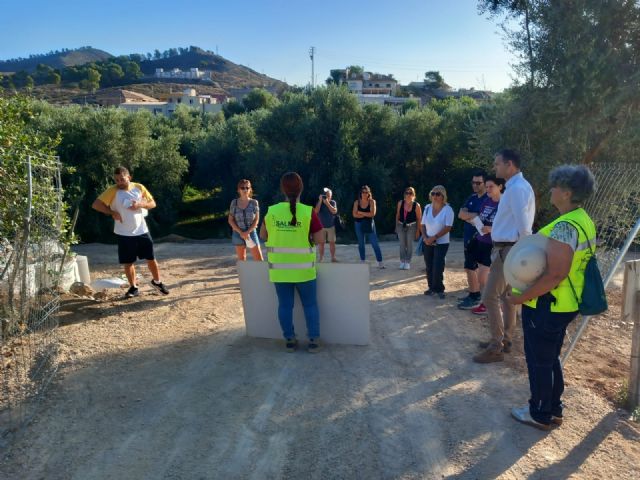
408 193
435 194
476 183
245 188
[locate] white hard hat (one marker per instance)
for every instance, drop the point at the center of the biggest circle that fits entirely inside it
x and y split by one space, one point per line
526 261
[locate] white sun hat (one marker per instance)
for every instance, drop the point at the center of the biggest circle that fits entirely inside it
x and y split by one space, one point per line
526 261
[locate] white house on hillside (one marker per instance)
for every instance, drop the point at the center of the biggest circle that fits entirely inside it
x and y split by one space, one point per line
192 74
188 97
371 87
368 83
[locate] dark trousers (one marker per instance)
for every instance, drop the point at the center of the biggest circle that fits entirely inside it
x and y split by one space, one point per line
544 333
434 256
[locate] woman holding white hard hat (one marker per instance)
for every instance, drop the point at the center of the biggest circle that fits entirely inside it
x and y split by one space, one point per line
547 269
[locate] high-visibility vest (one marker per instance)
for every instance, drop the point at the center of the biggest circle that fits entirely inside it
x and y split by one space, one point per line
289 253
565 298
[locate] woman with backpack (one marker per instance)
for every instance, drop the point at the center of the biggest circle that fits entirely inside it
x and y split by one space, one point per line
553 301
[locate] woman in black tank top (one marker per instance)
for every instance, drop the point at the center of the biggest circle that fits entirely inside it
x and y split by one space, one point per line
408 216
363 211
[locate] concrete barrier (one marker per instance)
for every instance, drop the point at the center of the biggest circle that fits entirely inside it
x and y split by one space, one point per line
343 300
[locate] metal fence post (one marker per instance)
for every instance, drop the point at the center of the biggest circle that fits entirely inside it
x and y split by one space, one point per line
619 258
631 312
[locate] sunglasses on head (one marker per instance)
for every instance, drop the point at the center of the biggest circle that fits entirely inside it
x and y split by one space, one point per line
435 194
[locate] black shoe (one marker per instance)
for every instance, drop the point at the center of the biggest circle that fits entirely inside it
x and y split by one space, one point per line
159 286
429 293
468 303
470 296
441 295
132 292
313 346
291 344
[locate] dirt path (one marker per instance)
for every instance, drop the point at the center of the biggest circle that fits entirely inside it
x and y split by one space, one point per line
171 388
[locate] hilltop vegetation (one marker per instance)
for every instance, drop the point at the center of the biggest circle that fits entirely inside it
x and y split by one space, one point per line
109 71
57 59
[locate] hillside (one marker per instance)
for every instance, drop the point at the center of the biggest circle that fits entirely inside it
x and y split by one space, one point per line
225 73
137 73
58 60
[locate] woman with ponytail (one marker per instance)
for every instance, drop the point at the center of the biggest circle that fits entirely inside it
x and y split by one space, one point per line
290 229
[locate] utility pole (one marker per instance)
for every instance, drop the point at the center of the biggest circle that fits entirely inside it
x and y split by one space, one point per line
312 52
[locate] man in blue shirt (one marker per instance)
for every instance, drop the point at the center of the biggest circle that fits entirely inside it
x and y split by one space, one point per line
471 209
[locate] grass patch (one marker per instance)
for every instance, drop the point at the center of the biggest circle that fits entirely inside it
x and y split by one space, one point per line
202 215
622 395
192 194
622 400
209 225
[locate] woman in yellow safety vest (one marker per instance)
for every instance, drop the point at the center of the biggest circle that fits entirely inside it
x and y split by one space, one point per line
288 229
550 304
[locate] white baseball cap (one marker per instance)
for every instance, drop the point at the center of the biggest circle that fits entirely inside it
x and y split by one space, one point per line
327 189
526 261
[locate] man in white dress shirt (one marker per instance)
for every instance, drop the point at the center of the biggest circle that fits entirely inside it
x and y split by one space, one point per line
513 220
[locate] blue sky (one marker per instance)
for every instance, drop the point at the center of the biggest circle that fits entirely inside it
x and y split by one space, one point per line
404 38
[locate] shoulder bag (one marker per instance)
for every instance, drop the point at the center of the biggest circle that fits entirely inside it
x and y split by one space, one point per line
594 297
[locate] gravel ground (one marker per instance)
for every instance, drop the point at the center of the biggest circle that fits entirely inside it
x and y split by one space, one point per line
171 388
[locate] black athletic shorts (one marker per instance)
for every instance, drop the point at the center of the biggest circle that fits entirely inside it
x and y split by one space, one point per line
469 260
481 253
132 248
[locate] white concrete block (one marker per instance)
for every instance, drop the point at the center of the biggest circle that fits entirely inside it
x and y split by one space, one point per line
343 301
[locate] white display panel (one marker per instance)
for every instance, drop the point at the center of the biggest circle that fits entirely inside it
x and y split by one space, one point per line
343 300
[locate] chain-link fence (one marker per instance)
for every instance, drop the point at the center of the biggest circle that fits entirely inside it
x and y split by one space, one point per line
32 262
615 209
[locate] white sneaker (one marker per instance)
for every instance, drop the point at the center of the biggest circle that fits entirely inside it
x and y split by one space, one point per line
381 265
522 415
402 264
407 266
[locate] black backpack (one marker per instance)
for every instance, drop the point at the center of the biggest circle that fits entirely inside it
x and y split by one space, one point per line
594 298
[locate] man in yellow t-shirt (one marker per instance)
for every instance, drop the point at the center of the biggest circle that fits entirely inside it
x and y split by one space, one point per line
127 203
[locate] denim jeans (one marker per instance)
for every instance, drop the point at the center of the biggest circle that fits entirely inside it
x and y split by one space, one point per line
434 256
307 292
238 241
373 238
544 333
